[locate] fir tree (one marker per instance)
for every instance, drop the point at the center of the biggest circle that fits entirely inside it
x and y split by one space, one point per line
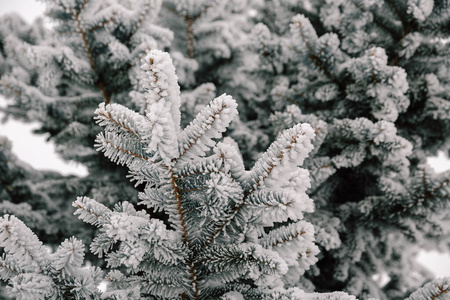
221 239
38 198
58 77
210 48
371 77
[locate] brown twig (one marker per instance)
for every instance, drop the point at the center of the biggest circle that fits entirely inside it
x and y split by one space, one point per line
88 51
101 25
109 117
4 83
190 35
381 25
126 151
213 118
316 59
9 269
190 20
441 291
441 185
181 216
290 238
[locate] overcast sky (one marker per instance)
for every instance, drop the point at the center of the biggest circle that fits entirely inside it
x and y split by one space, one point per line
28 9
37 152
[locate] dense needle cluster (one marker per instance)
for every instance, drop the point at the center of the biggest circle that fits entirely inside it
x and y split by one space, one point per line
231 218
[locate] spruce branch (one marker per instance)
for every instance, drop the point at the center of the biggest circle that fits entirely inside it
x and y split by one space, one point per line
103 24
437 289
142 15
16 91
22 244
129 153
299 22
279 156
91 211
181 216
202 189
376 18
8 269
88 51
441 185
208 124
116 117
189 20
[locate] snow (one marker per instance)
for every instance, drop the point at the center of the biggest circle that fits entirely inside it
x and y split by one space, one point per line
35 150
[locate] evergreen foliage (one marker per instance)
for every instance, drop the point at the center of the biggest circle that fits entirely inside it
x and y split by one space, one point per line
371 78
39 198
365 75
58 77
220 239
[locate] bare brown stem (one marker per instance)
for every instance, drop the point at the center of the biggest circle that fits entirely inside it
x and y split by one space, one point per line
190 35
88 51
